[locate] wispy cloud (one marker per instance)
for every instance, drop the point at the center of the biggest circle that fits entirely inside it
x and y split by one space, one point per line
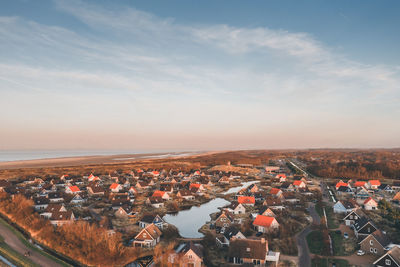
206 76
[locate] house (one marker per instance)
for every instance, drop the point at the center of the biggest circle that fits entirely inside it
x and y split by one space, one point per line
156 202
340 183
125 212
253 188
396 198
148 237
374 184
77 199
389 259
199 187
245 200
230 232
185 194
362 193
248 251
55 197
359 184
41 203
288 187
142 185
276 192
299 184
132 190
344 190
363 227
187 254
265 224
224 180
370 204
95 190
375 243
72 190
352 217
273 203
92 178
236 208
59 218
152 219
344 206
396 185
161 194
224 220
266 212
281 177
167 187
387 188
271 169
115 188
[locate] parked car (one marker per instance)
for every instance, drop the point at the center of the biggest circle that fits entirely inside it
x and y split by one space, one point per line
346 235
259 234
360 252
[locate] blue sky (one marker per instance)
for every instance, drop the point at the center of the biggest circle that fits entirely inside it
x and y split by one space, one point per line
199 74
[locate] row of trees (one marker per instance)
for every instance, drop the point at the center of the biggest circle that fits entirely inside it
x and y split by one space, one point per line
81 241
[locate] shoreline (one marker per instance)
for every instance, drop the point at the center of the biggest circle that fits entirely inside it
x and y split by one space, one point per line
94 159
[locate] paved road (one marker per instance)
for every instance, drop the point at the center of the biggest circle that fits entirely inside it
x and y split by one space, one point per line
13 241
304 252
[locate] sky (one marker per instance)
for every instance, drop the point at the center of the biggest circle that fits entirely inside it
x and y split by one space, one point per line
199 75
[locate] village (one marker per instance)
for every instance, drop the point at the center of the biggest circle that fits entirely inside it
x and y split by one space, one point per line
269 215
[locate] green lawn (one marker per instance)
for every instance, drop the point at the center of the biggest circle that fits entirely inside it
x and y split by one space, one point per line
325 262
315 242
337 240
31 246
330 216
318 209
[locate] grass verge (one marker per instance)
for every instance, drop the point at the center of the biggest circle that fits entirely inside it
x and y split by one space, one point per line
326 262
15 257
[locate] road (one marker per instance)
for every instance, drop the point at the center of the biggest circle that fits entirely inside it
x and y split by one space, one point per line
13 241
304 252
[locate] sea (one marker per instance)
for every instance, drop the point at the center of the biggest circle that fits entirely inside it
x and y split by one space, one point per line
13 155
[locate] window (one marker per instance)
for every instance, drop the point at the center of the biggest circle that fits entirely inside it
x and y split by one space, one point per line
388 262
371 242
375 250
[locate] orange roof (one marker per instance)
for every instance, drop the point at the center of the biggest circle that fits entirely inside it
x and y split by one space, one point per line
274 191
155 172
341 184
297 182
374 182
281 176
74 188
194 185
368 200
262 220
114 186
246 200
359 183
397 196
158 193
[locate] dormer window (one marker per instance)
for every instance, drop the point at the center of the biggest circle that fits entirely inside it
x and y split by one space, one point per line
388 262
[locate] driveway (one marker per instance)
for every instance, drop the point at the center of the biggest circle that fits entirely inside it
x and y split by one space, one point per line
13 241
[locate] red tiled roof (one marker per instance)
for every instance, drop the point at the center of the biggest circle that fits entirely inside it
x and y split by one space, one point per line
297 182
246 200
274 191
158 193
368 200
341 184
262 220
374 182
194 186
359 183
74 188
114 186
